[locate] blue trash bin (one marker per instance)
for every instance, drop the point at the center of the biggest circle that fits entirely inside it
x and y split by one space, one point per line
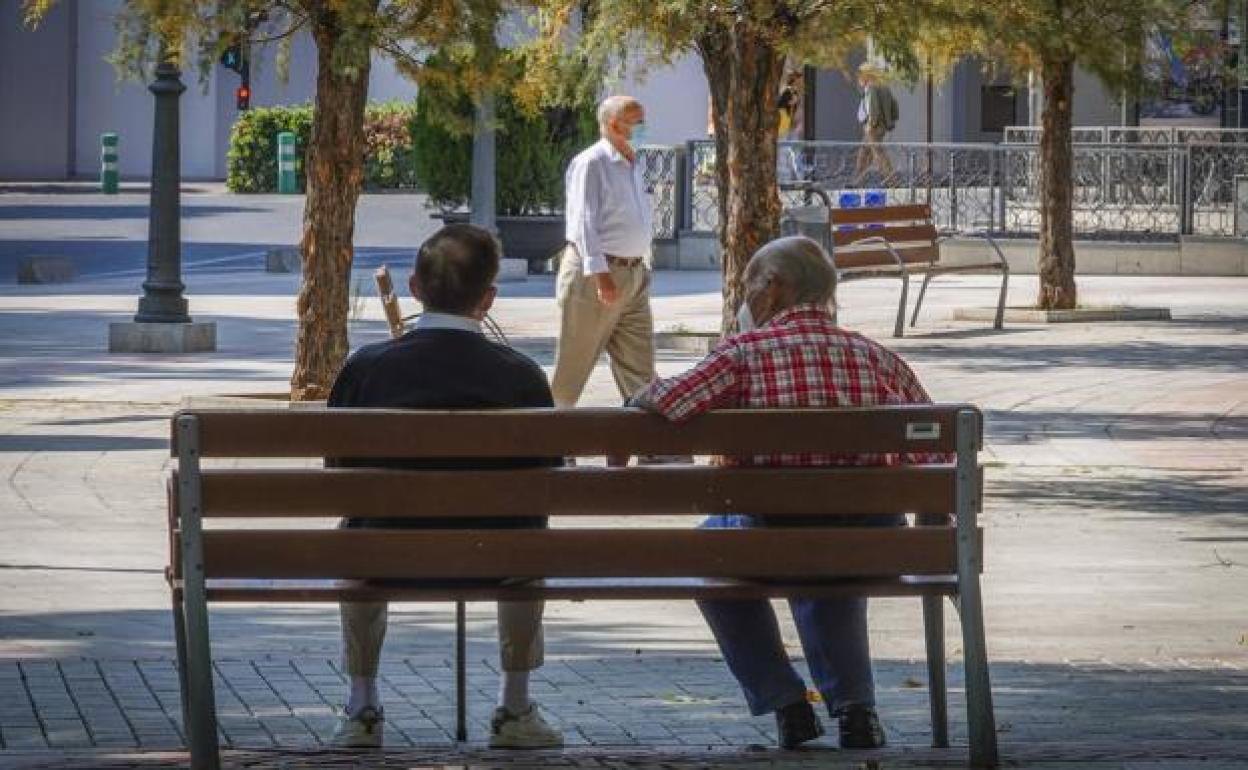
875 199
849 200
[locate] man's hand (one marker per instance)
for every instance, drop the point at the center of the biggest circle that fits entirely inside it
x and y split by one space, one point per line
607 293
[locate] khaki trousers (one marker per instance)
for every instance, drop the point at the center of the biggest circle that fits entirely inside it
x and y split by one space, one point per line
872 151
624 330
520 643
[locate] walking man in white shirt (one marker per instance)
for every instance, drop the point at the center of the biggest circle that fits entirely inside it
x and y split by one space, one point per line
603 290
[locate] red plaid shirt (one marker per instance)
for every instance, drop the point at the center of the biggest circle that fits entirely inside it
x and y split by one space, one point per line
800 358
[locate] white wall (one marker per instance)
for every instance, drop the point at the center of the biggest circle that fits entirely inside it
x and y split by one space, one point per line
676 99
1093 103
106 103
35 94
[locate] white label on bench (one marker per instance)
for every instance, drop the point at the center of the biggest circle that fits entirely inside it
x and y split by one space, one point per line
922 431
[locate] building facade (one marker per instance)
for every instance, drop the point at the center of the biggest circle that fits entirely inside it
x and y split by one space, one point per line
58 94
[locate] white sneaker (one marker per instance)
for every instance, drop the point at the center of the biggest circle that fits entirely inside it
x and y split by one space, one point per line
522 731
362 731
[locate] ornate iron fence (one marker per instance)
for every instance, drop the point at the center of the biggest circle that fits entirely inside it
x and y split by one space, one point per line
1135 135
1137 191
664 175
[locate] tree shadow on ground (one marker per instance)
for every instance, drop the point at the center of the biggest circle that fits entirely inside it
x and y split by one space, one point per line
108 211
1221 496
62 443
1215 357
1021 427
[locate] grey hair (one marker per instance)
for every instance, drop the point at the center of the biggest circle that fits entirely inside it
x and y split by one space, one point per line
613 106
800 264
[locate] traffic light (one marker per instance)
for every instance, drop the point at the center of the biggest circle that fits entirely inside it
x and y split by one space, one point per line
243 97
232 58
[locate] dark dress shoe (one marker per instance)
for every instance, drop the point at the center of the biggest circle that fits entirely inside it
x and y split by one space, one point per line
796 723
860 728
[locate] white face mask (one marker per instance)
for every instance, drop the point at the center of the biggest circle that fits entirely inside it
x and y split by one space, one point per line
638 136
745 318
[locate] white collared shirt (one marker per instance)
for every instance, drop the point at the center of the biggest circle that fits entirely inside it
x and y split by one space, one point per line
607 211
447 321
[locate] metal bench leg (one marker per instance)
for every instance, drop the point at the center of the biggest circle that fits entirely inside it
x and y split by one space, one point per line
899 329
934 631
981 725
461 674
201 710
999 322
914 318
179 638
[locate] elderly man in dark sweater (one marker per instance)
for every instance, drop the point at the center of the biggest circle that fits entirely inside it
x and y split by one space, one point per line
446 362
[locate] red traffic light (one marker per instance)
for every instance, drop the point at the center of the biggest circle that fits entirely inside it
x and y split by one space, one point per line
243 97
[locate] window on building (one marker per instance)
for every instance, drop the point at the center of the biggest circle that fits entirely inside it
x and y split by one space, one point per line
997 108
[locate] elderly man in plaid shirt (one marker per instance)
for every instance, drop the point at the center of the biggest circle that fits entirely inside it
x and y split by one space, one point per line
790 353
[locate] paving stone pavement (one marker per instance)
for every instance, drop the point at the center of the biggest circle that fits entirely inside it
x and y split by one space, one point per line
1116 587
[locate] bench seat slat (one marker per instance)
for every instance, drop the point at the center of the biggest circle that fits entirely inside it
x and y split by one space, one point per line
320 432
226 590
367 492
463 554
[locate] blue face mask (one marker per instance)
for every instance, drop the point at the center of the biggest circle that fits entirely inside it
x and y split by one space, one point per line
638 137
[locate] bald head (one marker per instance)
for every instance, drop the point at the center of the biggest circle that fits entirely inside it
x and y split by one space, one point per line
800 269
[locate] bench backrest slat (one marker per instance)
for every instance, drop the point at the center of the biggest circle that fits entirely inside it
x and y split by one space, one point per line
882 257
588 553
374 493
322 432
916 234
917 212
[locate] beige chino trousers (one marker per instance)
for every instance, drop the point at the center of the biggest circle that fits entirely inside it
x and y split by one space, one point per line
624 330
520 642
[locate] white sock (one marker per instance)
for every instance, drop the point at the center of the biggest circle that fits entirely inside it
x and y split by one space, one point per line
363 694
513 692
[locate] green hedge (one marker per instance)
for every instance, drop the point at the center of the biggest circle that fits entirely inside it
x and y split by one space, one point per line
389 160
532 152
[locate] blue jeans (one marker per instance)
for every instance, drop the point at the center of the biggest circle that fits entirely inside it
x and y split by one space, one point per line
833 632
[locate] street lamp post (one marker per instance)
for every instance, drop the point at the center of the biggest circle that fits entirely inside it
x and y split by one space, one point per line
162 300
162 324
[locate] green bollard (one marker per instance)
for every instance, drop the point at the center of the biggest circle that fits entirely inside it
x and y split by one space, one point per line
287 184
108 163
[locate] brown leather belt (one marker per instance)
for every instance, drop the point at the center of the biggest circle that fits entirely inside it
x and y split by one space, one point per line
623 261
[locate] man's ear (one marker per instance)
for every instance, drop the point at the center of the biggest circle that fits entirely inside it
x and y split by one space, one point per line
487 301
413 285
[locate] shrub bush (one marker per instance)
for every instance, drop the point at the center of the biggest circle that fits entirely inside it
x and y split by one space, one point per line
532 153
389 160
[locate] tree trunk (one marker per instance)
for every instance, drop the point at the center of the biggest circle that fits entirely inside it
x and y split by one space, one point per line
744 71
335 173
1057 248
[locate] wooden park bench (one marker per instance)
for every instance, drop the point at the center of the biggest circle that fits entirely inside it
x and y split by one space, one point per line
901 241
237 467
891 242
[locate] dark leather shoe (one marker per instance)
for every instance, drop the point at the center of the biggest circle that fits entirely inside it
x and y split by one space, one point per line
860 728
796 723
